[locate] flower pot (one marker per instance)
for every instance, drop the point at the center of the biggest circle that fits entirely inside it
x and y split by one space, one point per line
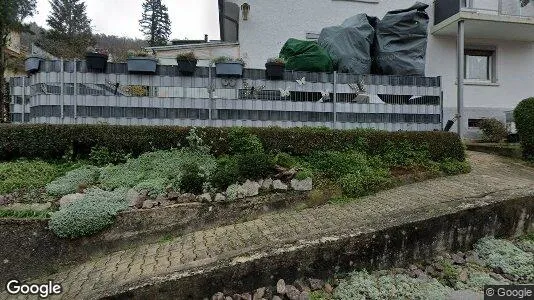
142 65
96 62
274 70
32 63
229 69
187 67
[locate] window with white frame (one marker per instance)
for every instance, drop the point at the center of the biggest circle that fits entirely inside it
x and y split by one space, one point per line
480 65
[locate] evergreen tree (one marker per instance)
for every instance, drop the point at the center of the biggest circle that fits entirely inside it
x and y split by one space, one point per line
12 13
155 23
70 28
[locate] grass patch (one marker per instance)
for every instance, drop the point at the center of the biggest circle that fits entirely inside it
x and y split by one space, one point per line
23 214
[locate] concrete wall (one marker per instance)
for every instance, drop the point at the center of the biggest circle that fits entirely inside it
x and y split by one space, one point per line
272 22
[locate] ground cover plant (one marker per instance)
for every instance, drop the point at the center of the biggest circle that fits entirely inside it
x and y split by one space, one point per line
342 164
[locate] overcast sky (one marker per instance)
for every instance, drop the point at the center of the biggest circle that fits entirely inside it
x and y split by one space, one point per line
190 18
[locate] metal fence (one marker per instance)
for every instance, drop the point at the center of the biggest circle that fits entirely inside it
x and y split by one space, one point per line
66 93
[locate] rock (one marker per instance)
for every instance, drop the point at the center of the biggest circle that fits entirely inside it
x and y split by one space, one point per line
206 198
220 197
173 196
258 294
160 198
250 188
68 199
430 270
278 185
166 203
246 296
328 288
148 204
228 298
509 277
218 296
496 276
267 184
301 285
316 284
292 292
186 198
458 259
420 274
135 198
276 298
463 276
302 185
412 267
473 258
236 297
498 270
281 287
438 267
260 182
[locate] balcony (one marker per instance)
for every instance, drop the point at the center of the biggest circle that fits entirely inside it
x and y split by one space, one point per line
485 19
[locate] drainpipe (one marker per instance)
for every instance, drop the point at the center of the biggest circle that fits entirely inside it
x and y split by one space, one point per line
461 62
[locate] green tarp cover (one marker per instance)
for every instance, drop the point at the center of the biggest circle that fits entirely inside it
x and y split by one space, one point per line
305 56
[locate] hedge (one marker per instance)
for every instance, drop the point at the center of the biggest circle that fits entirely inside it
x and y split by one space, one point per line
524 120
57 141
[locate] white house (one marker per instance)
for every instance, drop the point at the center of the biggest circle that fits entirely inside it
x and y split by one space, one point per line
498 36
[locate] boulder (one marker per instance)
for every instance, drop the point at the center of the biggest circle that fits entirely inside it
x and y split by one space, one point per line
186 198
302 185
281 287
258 294
68 199
220 197
250 188
148 204
206 198
173 196
218 296
278 185
292 292
136 198
267 184
316 284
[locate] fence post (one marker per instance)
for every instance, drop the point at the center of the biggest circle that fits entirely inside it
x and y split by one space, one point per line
75 92
61 91
23 99
334 101
210 94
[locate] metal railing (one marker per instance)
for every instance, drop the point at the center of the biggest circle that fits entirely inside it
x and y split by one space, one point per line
444 9
58 95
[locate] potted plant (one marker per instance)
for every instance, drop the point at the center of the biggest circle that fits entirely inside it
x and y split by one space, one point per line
275 67
141 62
229 67
32 63
187 63
96 59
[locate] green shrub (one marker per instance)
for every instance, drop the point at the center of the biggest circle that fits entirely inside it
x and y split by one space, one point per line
242 142
285 160
192 180
73 180
89 215
55 141
26 174
524 120
156 171
254 165
333 164
364 183
506 256
102 156
304 173
361 285
493 130
404 153
226 173
454 167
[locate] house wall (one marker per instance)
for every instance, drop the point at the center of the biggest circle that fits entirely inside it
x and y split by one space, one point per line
14 42
272 22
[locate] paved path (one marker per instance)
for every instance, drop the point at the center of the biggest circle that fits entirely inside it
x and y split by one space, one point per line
92 279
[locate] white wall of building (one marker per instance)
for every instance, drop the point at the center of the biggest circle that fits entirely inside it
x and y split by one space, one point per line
271 23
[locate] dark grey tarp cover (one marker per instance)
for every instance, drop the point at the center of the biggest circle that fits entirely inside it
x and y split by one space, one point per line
349 45
401 39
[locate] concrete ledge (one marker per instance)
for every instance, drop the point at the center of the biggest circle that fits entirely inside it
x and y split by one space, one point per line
394 240
498 149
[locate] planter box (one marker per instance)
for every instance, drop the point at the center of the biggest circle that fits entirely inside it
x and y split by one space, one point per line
142 65
187 67
229 69
96 62
32 63
274 70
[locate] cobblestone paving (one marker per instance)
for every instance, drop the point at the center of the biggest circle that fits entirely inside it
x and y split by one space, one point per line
91 279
